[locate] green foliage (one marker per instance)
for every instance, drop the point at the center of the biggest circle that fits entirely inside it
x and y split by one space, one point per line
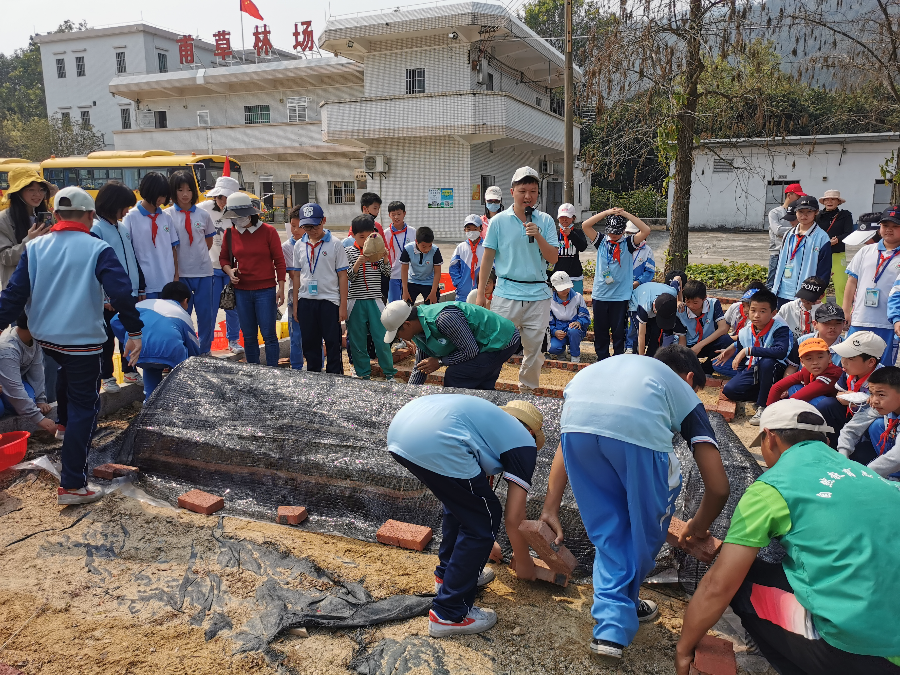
36 139
589 269
729 276
547 19
644 202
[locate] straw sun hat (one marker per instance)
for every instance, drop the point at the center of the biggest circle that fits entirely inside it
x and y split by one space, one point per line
530 416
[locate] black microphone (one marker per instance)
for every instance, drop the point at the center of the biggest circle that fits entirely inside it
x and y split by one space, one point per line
528 211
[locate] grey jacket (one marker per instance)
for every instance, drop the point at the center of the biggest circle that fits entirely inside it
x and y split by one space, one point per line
10 251
778 227
18 363
854 430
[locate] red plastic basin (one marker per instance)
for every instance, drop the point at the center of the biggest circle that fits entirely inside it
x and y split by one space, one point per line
12 448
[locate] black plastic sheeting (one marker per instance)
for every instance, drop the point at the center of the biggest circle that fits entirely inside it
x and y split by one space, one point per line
273 436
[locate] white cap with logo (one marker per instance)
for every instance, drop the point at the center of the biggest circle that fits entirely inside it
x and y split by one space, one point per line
73 198
791 413
394 315
567 210
861 342
493 192
524 172
561 281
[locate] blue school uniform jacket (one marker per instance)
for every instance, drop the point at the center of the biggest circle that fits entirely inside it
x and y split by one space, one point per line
461 273
711 315
812 259
644 264
169 335
574 309
775 345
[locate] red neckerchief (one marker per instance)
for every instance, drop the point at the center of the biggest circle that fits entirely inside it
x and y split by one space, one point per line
807 320
800 238
890 430
758 337
617 252
374 266
743 320
153 226
70 226
187 225
858 382
565 238
474 246
393 239
565 302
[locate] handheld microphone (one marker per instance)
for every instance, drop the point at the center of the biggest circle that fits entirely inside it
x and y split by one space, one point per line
528 211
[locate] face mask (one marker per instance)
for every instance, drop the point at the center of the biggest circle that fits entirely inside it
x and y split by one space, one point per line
241 222
472 236
493 207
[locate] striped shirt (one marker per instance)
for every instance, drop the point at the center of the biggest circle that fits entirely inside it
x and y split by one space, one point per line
365 283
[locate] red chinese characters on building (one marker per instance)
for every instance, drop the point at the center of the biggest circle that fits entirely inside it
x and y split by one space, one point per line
186 49
303 40
261 42
223 44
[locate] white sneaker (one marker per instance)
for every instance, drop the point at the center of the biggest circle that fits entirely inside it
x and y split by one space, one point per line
487 576
86 495
629 350
575 359
756 417
235 347
477 620
606 648
110 385
134 378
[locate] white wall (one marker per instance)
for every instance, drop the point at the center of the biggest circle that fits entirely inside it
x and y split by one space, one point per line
446 68
738 199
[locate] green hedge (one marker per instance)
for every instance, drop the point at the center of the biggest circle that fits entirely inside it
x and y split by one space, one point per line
730 276
644 202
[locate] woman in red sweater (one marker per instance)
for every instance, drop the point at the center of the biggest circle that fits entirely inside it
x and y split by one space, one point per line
252 258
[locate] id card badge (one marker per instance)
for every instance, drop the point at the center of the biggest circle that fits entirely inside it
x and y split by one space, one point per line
608 279
872 297
788 271
313 287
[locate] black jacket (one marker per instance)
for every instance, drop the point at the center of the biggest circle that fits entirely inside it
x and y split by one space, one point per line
569 262
838 224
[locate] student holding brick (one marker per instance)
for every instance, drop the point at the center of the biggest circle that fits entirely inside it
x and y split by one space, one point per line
654 308
828 606
616 450
452 443
420 268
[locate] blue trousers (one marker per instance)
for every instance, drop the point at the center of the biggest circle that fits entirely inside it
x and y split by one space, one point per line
632 334
773 269
154 296
78 397
887 334
256 310
232 323
482 371
395 290
296 339
201 301
573 338
742 387
50 369
472 515
153 375
8 408
626 495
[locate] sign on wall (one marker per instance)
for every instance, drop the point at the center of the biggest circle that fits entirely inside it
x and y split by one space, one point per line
476 192
440 198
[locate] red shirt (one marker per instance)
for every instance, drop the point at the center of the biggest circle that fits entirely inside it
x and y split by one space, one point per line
823 385
258 254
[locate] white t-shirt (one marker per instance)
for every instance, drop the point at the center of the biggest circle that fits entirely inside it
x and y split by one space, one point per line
862 268
221 224
320 265
155 258
193 257
397 241
797 318
287 248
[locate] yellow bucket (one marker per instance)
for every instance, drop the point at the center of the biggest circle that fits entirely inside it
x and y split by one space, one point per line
117 368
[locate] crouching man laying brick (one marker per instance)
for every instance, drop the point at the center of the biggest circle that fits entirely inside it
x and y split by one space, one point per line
616 449
452 443
827 607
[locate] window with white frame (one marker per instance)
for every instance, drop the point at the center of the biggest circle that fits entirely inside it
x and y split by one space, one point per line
120 63
415 80
79 67
256 114
125 115
162 60
61 69
203 118
341 191
85 118
296 107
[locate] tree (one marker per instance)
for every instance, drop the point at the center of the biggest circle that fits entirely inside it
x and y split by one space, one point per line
38 138
547 18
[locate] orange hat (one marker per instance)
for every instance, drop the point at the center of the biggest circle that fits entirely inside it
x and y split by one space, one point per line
812 345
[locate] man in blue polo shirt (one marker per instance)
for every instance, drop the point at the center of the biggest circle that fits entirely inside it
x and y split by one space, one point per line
452 443
616 447
518 247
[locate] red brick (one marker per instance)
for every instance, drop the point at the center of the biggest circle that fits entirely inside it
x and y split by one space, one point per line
201 502
8 670
543 572
110 471
540 537
291 515
404 535
714 656
704 550
726 408
714 382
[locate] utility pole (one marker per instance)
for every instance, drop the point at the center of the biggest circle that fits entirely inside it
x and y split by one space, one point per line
569 115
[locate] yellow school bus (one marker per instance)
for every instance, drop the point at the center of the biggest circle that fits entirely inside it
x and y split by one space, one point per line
130 166
9 163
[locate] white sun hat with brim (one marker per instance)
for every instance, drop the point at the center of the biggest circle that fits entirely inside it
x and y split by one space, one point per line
225 187
832 194
239 205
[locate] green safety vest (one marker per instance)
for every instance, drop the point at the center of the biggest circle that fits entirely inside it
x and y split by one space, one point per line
843 547
492 332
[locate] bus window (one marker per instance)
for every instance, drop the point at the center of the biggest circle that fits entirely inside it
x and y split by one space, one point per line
55 176
4 180
215 169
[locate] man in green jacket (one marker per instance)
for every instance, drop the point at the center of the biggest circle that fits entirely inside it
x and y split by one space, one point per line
831 605
473 342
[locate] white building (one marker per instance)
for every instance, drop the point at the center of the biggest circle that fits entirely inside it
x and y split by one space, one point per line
428 106
736 183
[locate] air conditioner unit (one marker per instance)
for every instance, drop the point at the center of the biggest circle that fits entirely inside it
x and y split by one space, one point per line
375 164
546 168
203 118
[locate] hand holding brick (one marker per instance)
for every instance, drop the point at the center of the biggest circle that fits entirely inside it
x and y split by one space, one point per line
543 572
540 537
704 550
714 656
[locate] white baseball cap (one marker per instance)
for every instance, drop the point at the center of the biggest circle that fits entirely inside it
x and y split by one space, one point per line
472 296
225 187
76 200
493 192
631 228
393 316
861 342
474 219
561 281
567 210
522 173
790 413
